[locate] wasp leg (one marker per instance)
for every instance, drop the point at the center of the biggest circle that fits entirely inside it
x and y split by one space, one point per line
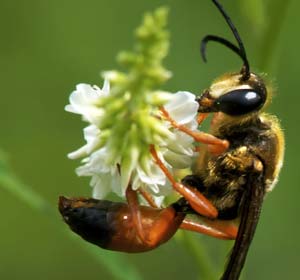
201 117
216 146
197 200
133 205
164 225
215 228
148 198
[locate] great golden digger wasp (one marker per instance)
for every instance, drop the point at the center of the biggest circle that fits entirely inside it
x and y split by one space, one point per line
237 165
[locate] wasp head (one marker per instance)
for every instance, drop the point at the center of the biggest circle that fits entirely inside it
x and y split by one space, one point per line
233 96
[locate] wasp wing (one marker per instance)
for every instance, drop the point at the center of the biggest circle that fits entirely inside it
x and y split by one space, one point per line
250 210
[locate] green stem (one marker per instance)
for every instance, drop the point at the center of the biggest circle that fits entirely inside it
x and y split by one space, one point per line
198 251
116 263
278 12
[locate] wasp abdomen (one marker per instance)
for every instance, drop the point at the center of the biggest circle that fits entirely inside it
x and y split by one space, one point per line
89 219
110 225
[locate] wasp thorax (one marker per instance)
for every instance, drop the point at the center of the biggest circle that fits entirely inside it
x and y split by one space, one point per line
232 95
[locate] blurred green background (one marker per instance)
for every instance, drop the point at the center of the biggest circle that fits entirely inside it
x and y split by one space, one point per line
47 47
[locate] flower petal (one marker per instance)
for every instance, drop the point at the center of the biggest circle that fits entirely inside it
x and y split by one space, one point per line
100 185
182 107
95 164
154 175
179 161
92 136
128 164
83 101
106 86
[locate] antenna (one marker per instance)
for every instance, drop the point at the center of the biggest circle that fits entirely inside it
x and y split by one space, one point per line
240 50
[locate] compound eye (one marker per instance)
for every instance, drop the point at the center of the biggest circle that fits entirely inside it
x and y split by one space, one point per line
239 102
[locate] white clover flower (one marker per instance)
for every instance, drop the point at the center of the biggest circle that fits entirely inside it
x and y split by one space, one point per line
176 149
83 99
125 119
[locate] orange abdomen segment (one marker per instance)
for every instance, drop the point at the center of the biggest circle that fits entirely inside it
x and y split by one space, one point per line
110 225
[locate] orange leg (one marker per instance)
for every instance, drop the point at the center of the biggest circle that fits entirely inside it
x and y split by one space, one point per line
215 228
215 145
148 198
197 200
133 205
163 225
201 117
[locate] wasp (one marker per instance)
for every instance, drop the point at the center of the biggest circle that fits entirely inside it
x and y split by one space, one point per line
239 162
